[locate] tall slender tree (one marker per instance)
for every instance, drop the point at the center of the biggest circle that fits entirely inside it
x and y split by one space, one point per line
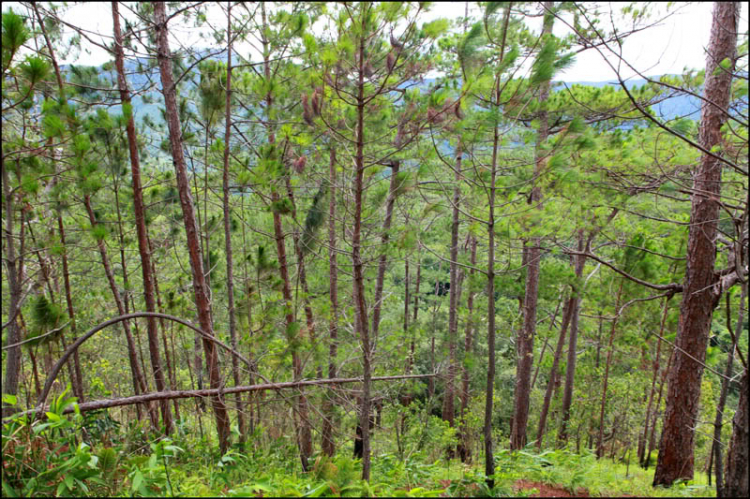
525 341
699 298
140 221
200 287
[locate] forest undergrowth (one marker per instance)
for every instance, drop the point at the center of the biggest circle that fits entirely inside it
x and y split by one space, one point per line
93 454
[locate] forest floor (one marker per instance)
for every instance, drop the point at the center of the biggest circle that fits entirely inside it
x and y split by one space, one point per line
544 490
124 461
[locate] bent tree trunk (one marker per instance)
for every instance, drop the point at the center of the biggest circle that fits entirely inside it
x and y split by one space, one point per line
200 287
699 298
139 382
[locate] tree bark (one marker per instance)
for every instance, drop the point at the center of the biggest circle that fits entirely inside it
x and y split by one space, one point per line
464 447
570 369
304 436
12 265
567 312
610 352
383 260
718 421
736 471
525 340
140 224
228 230
675 460
359 287
448 397
200 288
329 445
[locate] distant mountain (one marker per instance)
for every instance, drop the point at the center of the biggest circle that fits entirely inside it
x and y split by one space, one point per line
680 106
671 108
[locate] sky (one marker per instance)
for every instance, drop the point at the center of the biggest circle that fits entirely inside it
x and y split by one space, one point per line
675 43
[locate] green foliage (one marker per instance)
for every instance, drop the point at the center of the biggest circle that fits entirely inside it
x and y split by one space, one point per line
35 69
471 42
316 215
99 232
45 315
282 206
14 34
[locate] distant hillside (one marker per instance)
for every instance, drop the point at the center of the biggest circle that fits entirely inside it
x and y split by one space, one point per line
679 106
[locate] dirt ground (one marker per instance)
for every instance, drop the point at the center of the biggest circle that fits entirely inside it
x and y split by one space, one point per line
548 490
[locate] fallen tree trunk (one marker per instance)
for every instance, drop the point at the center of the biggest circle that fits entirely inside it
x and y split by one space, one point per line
178 394
91 332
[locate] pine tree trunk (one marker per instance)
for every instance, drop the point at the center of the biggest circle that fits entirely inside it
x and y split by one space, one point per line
718 421
359 286
652 434
736 471
567 313
449 396
383 260
525 342
140 224
302 277
13 264
228 232
699 298
610 352
171 367
200 287
77 380
139 383
329 445
643 440
489 458
570 369
304 436
464 447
